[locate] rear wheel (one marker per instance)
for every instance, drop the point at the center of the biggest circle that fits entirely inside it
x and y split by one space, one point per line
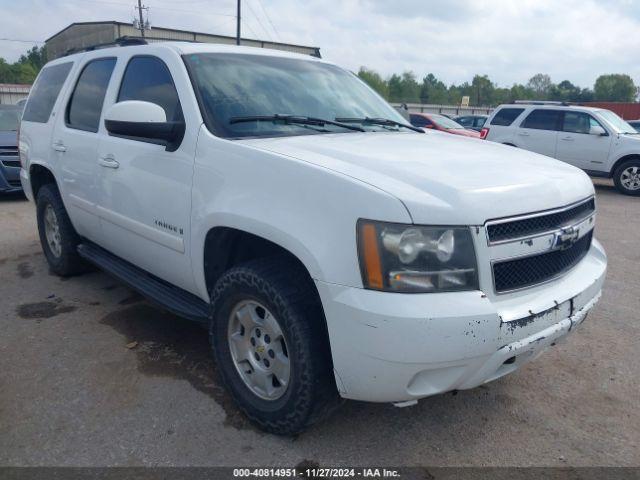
58 238
627 177
270 343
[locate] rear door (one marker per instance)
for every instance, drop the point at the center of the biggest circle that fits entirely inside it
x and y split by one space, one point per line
145 190
38 119
578 147
75 143
538 132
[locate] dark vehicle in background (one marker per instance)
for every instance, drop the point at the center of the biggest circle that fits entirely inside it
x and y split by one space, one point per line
435 121
472 122
9 158
635 124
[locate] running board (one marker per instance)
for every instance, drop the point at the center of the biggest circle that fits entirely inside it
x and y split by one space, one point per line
174 299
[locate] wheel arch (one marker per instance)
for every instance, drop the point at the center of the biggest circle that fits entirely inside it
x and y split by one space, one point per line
40 175
621 160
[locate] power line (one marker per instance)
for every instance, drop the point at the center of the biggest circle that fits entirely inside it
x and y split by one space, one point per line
258 19
21 41
269 20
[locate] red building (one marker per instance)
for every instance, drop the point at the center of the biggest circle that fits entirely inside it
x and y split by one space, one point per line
628 111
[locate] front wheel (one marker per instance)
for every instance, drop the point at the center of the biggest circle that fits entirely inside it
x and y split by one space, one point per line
270 343
627 177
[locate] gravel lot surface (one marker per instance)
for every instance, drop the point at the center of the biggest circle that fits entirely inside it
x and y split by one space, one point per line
75 389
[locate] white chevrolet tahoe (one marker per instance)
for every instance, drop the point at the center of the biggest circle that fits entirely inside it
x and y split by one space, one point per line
329 248
594 139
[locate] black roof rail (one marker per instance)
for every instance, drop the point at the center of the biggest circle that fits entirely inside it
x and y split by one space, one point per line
542 102
126 41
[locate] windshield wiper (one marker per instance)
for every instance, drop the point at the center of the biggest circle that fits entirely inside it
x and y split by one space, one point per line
293 119
379 121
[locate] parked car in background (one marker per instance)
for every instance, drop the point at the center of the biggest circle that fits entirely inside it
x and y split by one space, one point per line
594 139
436 121
330 250
9 158
472 122
635 124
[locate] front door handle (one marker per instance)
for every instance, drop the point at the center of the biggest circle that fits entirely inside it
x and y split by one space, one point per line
59 146
567 139
108 161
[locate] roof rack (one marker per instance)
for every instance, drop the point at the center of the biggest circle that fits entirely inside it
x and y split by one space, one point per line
541 102
126 41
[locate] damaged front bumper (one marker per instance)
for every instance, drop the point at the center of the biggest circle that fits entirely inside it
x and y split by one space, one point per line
390 347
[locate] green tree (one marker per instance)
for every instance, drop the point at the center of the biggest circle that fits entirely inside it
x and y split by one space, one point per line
482 90
36 56
375 81
541 85
433 90
615 88
404 88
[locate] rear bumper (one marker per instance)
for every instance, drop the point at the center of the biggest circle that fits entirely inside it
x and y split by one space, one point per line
390 347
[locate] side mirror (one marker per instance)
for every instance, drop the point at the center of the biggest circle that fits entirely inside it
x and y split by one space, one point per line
597 130
143 121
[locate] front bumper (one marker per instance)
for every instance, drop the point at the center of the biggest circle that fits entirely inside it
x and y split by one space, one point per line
9 179
390 347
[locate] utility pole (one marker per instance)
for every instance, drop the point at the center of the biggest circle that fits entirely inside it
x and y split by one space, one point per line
141 19
237 24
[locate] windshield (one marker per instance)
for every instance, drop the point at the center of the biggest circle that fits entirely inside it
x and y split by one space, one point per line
9 118
240 85
618 124
445 122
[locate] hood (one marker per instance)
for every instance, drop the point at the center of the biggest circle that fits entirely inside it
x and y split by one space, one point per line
442 179
8 138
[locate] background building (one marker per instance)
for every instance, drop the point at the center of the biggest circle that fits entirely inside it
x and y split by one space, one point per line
12 93
85 34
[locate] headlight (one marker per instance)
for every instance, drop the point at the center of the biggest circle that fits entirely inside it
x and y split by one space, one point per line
414 259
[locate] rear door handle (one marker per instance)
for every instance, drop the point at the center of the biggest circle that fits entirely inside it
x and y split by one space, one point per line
524 134
108 161
59 146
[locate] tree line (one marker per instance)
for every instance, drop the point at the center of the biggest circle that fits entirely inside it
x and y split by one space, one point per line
25 69
405 88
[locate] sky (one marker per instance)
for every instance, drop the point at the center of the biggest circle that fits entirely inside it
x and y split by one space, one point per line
508 40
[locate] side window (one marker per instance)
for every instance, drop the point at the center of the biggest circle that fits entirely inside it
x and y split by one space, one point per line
542 119
418 121
506 116
579 122
148 79
85 105
45 92
465 121
479 122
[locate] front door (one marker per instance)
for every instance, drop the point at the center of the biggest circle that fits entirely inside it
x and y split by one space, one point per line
145 190
578 147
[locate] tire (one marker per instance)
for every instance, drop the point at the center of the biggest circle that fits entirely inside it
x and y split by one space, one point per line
288 297
63 258
621 177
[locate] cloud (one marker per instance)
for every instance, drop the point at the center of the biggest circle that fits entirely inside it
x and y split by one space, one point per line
509 40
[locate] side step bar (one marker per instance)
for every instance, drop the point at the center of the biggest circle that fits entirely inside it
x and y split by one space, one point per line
171 298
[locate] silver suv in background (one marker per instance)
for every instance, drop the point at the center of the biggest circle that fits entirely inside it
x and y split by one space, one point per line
9 158
594 139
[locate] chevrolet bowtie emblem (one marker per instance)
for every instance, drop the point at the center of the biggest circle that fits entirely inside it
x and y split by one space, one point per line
566 237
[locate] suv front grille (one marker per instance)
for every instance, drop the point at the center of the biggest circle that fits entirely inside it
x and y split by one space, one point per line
528 271
533 225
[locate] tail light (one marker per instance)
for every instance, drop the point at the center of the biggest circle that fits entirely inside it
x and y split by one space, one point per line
483 133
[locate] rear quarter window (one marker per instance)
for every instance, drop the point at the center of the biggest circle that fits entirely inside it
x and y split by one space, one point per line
505 116
45 92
